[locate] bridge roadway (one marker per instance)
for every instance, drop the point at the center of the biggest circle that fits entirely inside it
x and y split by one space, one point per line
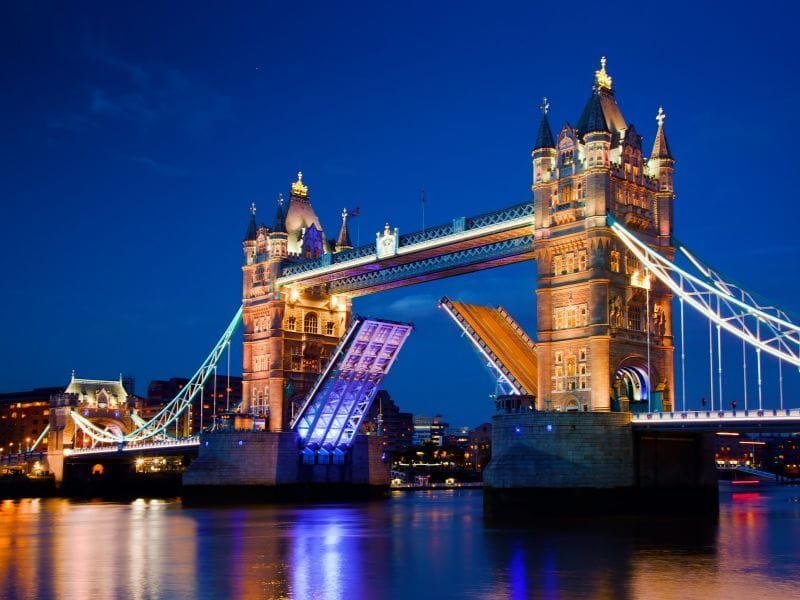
753 421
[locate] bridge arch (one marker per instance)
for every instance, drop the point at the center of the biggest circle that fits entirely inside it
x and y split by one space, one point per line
632 383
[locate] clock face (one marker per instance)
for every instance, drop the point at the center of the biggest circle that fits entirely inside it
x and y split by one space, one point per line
387 241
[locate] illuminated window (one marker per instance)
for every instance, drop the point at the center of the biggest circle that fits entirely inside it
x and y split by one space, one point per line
571 321
559 357
615 261
571 262
635 317
557 265
582 260
559 318
329 328
310 323
291 323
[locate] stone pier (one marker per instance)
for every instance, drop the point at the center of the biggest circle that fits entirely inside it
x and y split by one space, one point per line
580 464
242 466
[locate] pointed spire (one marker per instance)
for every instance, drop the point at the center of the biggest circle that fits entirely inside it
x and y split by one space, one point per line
593 118
280 218
250 234
544 139
343 241
660 145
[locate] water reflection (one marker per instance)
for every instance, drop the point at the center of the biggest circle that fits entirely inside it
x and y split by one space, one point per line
430 545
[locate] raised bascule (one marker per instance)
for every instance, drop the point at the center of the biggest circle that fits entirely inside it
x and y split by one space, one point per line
599 379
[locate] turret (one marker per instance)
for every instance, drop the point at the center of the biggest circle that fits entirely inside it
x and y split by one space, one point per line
343 241
249 242
306 237
544 164
278 238
662 166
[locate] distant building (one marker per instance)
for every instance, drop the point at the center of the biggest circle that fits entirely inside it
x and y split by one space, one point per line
480 446
427 429
385 418
222 398
23 417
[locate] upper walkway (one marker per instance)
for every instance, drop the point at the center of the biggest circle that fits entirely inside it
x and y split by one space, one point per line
465 244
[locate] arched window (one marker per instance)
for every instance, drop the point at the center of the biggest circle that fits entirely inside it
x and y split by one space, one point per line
310 324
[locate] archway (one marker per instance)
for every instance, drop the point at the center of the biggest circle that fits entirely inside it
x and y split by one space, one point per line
632 387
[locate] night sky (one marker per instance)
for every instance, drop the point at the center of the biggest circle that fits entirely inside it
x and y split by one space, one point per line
135 136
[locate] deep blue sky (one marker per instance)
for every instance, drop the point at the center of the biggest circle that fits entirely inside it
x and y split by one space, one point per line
135 137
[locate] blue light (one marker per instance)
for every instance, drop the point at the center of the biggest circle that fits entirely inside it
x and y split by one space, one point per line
517 429
206 442
241 443
549 427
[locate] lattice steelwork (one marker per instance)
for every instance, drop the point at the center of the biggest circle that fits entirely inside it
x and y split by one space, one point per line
336 405
725 304
430 266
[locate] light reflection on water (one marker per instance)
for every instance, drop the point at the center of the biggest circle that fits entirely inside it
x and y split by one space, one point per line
418 545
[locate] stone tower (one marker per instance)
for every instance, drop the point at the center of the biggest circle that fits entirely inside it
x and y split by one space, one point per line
289 332
597 307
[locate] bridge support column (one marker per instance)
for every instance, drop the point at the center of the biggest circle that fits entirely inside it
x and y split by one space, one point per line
580 464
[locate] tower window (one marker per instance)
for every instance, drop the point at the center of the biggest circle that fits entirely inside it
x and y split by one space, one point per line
615 261
329 328
310 325
635 317
291 323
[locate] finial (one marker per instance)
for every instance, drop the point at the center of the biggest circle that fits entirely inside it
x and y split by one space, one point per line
73 373
253 209
280 199
344 214
601 78
661 116
545 105
298 189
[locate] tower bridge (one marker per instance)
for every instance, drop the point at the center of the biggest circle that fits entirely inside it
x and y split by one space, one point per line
600 228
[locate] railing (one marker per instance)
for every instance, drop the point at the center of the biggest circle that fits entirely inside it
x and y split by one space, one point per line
710 416
133 447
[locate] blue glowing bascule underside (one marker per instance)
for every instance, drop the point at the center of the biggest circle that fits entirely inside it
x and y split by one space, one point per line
336 405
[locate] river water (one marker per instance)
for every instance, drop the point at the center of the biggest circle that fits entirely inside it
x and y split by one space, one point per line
415 545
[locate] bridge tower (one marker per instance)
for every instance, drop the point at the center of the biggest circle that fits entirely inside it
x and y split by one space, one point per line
604 326
289 332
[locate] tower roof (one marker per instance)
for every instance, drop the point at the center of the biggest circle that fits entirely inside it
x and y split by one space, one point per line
343 241
280 219
593 118
544 139
660 145
602 104
252 228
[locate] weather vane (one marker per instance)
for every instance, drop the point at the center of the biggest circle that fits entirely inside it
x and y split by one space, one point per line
253 209
545 105
661 116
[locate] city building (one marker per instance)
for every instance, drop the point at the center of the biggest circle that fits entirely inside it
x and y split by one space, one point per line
385 418
429 430
23 418
216 396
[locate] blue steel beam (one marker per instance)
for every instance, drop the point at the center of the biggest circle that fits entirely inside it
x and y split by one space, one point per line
342 395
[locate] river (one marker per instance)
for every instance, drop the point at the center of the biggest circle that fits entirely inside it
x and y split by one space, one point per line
415 545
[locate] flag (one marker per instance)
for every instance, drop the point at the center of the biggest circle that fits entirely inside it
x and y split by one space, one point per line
355 212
